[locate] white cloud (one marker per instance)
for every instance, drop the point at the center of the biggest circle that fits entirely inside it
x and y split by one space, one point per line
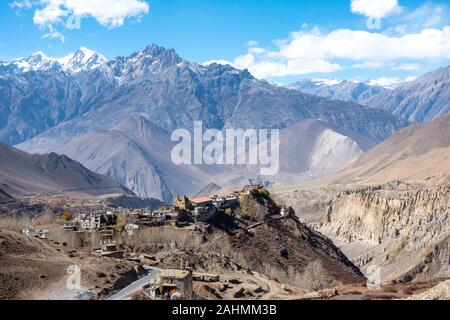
428 15
407 67
265 69
109 13
252 43
307 52
364 45
53 34
19 5
375 8
368 65
386 82
412 78
257 50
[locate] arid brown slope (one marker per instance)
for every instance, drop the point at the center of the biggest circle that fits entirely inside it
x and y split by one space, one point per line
286 249
417 153
23 173
27 264
283 248
31 268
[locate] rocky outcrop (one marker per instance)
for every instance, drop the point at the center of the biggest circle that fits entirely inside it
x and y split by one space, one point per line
291 252
404 232
439 292
282 247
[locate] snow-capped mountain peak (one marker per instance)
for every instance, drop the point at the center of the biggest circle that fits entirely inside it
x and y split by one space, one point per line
335 89
83 59
326 82
36 62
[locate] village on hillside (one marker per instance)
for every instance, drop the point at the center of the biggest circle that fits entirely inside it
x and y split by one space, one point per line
103 230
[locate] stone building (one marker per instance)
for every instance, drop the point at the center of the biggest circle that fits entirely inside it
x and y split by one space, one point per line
173 284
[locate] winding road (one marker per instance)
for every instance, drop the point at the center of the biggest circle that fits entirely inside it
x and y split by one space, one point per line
125 294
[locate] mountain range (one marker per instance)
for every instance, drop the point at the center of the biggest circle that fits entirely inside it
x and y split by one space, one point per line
134 103
116 118
421 100
83 59
344 90
417 154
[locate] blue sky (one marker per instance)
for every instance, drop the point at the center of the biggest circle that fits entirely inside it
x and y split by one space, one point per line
282 40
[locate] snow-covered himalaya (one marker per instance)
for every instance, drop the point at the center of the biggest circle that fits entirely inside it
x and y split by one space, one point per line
116 118
420 100
83 59
345 90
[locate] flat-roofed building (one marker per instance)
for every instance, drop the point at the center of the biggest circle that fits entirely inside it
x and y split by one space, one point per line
173 284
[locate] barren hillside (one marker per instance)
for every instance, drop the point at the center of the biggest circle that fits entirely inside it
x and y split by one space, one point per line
282 247
23 173
31 268
4 197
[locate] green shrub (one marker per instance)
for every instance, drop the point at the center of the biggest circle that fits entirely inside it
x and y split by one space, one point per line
264 192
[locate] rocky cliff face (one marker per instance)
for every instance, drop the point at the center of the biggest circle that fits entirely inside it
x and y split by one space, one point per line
402 231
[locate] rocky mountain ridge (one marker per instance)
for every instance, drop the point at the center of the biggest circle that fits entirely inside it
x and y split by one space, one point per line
160 92
422 100
345 90
22 173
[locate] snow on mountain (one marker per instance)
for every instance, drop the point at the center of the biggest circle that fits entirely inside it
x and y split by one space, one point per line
83 59
385 82
421 100
36 62
326 82
334 89
82 114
